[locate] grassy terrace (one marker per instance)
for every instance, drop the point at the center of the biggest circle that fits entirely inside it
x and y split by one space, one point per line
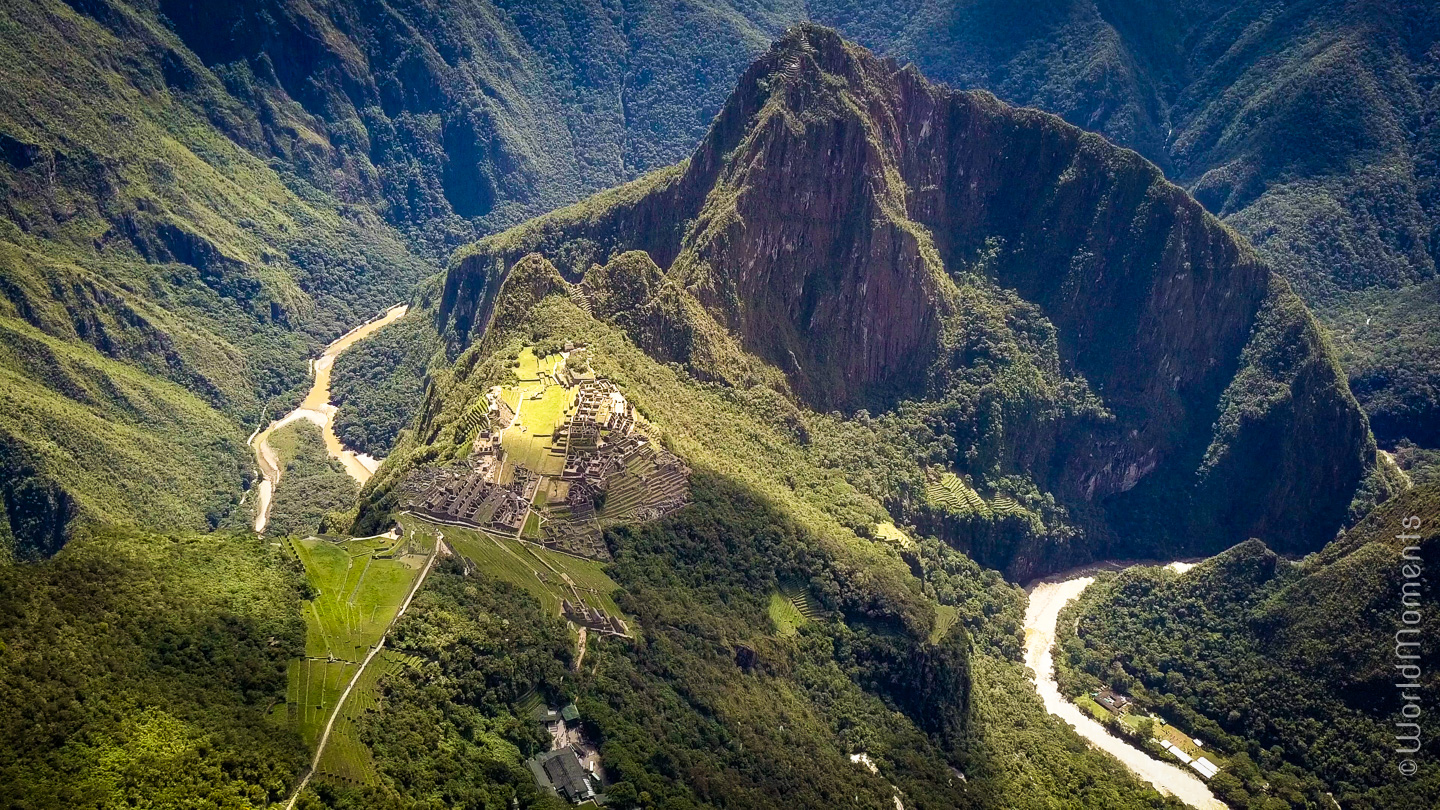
359 587
346 758
951 493
538 570
786 617
359 591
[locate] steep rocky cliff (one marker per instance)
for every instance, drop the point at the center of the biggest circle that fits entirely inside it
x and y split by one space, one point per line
1065 314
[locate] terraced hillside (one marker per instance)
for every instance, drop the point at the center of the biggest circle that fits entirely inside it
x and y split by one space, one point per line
964 314
254 175
359 587
698 589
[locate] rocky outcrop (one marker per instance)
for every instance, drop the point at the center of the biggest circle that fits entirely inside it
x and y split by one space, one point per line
877 238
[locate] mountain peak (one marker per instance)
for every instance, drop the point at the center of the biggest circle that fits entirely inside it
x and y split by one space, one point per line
868 238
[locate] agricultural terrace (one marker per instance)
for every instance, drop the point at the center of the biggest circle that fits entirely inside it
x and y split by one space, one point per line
346 758
949 493
791 608
551 459
359 587
553 578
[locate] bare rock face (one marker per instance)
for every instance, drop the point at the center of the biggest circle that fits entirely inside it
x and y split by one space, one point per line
872 238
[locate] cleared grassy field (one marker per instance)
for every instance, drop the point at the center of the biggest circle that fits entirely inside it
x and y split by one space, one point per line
358 594
528 367
541 572
1094 709
891 533
542 410
785 616
945 618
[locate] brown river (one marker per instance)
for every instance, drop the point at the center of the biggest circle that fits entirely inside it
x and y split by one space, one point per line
317 408
1047 598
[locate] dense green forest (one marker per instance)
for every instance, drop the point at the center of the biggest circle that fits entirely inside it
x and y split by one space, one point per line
1288 666
140 669
912 659
378 383
249 179
312 484
1164 430
863 301
682 723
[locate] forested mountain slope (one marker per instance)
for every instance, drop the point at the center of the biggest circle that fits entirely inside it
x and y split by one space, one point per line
1313 128
206 191
1291 664
956 271
161 279
1309 127
905 651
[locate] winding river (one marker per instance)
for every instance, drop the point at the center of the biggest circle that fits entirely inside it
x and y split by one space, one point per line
317 408
1047 598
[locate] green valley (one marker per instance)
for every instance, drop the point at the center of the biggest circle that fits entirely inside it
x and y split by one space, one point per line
677 406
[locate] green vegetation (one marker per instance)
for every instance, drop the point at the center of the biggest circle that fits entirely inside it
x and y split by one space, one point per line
147 220
881 662
996 372
139 669
448 724
1421 466
194 197
378 383
312 484
786 614
950 493
540 572
1386 342
209 218
357 587
89 438
1288 121
347 759
541 406
1286 668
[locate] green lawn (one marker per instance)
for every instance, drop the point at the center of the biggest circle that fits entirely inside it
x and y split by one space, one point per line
1094 709
785 616
528 441
541 405
528 367
525 565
